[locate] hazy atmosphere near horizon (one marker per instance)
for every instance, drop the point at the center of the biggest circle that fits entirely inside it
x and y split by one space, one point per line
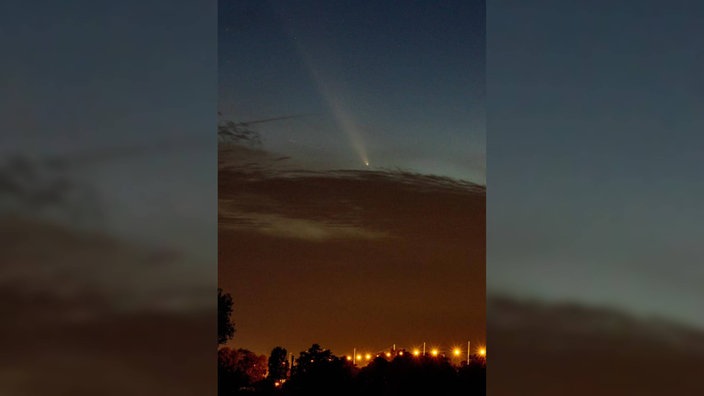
359 220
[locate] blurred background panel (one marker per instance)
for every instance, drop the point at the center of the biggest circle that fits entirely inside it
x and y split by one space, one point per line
594 199
107 197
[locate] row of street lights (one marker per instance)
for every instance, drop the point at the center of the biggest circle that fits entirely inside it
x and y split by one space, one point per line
434 352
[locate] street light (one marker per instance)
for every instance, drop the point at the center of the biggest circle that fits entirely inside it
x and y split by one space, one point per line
456 352
482 352
416 352
434 352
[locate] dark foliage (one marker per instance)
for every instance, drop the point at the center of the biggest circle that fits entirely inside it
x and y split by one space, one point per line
318 372
226 329
278 364
239 371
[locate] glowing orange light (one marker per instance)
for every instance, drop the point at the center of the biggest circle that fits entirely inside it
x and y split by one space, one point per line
416 352
359 357
434 352
401 353
368 356
349 358
456 351
388 354
482 351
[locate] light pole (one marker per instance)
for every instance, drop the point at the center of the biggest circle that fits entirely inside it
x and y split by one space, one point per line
468 353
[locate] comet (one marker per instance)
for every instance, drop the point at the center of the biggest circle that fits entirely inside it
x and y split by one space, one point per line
334 100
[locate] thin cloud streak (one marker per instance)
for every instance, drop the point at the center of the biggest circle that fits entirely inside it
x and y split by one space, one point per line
295 228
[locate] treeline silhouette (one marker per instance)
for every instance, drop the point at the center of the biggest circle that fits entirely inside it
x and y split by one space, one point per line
317 371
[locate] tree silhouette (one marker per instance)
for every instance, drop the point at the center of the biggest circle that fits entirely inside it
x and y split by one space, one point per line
319 372
278 364
226 329
239 370
230 379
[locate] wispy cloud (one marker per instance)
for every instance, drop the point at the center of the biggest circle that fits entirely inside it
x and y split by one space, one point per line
296 228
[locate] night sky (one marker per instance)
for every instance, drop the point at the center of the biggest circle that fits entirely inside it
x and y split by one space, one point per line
397 84
351 259
317 247
595 120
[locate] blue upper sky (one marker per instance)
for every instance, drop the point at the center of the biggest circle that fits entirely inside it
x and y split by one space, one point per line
400 84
